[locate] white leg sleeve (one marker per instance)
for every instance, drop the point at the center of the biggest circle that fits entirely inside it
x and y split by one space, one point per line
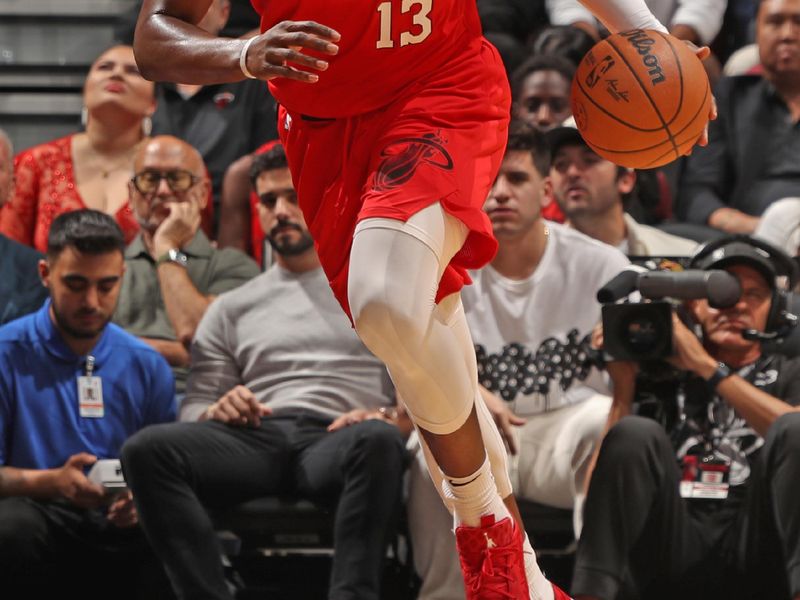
621 15
395 269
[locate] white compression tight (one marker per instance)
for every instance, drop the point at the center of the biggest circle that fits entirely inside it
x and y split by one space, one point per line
395 269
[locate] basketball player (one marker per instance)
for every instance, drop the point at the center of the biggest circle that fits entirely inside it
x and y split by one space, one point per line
394 125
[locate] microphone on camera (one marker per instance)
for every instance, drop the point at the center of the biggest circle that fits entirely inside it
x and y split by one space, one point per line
622 284
720 288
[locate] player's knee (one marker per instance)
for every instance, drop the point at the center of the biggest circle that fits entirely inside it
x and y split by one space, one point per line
384 326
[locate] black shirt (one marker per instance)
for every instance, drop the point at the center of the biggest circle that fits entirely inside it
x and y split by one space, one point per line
224 122
712 424
752 155
21 290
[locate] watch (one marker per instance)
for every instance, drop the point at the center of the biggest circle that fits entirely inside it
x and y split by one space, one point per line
723 371
173 255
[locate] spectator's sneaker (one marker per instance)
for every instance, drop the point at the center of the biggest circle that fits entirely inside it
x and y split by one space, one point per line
491 560
559 594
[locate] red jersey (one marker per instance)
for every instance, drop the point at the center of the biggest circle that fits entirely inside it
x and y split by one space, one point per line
386 46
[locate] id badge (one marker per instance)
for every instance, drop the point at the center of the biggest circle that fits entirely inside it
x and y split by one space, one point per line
90 397
704 477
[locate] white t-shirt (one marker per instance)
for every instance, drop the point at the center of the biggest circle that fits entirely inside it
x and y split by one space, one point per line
531 335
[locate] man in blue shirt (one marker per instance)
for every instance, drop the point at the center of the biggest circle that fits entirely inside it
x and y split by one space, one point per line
73 388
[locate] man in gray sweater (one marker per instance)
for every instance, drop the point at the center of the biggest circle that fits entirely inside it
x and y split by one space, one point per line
282 398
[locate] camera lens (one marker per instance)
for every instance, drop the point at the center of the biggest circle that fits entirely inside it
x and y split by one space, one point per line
642 334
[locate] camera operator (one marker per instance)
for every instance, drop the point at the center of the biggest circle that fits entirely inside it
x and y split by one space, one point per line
706 509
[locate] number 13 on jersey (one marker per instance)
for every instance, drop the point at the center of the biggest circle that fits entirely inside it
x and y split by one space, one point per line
422 21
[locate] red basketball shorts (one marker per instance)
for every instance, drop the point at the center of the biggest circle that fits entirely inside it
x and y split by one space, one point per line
442 141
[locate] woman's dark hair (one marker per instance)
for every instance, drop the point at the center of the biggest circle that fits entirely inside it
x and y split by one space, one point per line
274 158
88 231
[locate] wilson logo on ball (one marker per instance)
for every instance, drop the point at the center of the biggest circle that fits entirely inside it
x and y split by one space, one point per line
641 99
643 42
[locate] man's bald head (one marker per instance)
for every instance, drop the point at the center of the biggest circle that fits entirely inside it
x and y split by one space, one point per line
168 171
168 152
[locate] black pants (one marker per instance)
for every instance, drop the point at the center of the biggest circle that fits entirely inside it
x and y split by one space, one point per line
54 550
642 540
176 470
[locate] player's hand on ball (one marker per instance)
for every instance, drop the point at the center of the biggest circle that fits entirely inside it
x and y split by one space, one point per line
703 53
279 52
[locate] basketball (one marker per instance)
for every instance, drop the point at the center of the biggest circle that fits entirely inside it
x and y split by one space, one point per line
641 98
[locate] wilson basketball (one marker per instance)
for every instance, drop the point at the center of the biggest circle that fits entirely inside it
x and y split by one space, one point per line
641 98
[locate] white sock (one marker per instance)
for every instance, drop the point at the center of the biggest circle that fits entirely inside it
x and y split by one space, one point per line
475 496
539 588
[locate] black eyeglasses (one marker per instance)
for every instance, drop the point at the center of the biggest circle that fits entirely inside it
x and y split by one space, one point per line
178 180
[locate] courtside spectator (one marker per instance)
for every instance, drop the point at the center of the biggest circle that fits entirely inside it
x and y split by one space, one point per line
172 271
72 389
88 169
591 192
750 161
289 401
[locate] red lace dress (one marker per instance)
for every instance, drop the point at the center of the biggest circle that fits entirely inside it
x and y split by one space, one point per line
45 188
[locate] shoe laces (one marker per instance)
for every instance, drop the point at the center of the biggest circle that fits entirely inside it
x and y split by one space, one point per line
493 576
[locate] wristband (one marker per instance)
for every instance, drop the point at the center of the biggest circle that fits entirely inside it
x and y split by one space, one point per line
243 59
722 372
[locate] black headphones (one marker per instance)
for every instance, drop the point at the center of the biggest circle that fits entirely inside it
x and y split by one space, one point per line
770 261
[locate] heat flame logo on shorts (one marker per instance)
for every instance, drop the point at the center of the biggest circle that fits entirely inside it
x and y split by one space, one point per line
402 158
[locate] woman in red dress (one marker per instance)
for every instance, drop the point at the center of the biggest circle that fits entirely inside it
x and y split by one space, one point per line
89 169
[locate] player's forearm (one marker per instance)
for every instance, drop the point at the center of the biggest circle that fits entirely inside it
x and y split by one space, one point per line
33 483
621 15
703 16
686 32
170 49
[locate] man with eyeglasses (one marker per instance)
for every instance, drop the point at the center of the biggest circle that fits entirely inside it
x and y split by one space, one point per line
283 398
173 272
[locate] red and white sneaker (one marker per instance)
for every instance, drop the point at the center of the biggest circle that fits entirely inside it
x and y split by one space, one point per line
491 560
559 594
